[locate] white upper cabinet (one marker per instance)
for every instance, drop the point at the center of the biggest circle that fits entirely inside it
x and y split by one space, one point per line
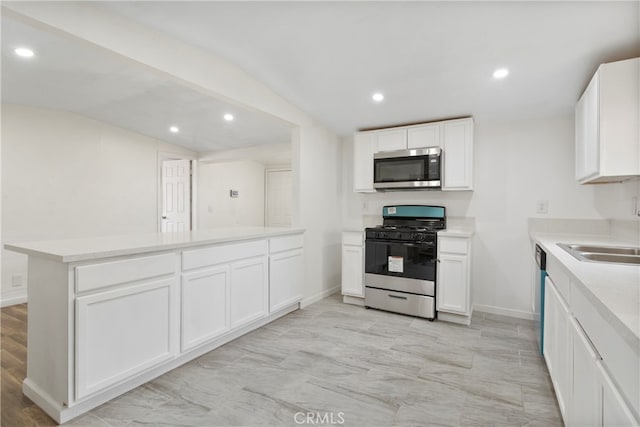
364 145
607 124
457 148
391 140
455 137
424 136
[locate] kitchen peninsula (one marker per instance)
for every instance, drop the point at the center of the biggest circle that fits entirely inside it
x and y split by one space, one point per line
108 314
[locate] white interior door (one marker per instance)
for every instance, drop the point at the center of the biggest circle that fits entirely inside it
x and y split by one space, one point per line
278 198
176 195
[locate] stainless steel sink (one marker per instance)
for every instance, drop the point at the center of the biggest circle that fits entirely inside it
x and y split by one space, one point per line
610 254
606 249
627 259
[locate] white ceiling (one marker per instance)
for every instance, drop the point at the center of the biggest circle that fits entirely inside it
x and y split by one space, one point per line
84 79
432 60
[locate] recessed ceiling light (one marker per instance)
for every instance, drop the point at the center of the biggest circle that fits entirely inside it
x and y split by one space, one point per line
24 52
500 73
377 97
228 117
174 129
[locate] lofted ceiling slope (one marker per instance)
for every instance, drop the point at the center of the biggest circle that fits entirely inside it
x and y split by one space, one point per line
432 60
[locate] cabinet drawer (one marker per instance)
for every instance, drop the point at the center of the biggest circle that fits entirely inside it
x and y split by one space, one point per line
355 238
219 254
286 243
454 245
560 279
96 276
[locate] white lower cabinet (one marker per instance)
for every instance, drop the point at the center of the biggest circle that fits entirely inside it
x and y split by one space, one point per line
249 290
557 343
615 411
205 305
453 285
452 291
353 264
585 393
580 370
102 326
124 331
286 273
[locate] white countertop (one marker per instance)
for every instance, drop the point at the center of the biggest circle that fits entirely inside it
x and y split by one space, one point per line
613 288
457 232
74 250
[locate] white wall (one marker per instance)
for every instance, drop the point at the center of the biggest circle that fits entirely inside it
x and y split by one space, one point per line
216 208
315 149
66 176
516 164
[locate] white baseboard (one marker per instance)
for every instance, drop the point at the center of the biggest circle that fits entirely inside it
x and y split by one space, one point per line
454 318
319 296
13 298
348 299
510 312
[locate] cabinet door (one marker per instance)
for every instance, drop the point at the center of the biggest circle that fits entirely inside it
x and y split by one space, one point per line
457 147
205 305
453 288
364 145
584 402
557 344
588 133
424 136
391 140
286 272
615 412
249 290
550 328
352 270
122 332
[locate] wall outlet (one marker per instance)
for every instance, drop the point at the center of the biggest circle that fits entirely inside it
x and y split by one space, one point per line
16 280
542 206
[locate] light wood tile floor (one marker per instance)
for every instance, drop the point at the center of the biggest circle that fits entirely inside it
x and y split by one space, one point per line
366 367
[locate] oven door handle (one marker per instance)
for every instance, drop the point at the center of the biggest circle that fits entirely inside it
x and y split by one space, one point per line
396 296
412 244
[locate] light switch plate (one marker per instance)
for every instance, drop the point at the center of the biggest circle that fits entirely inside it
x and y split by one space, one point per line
542 206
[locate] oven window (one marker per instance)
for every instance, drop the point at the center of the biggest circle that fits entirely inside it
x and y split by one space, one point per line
400 169
408 260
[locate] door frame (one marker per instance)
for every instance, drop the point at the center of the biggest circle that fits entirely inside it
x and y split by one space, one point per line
169 155
283 168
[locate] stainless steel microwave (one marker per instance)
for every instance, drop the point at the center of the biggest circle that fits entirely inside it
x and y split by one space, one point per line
413 169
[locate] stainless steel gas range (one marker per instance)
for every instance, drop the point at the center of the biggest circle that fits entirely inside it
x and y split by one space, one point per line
401 260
